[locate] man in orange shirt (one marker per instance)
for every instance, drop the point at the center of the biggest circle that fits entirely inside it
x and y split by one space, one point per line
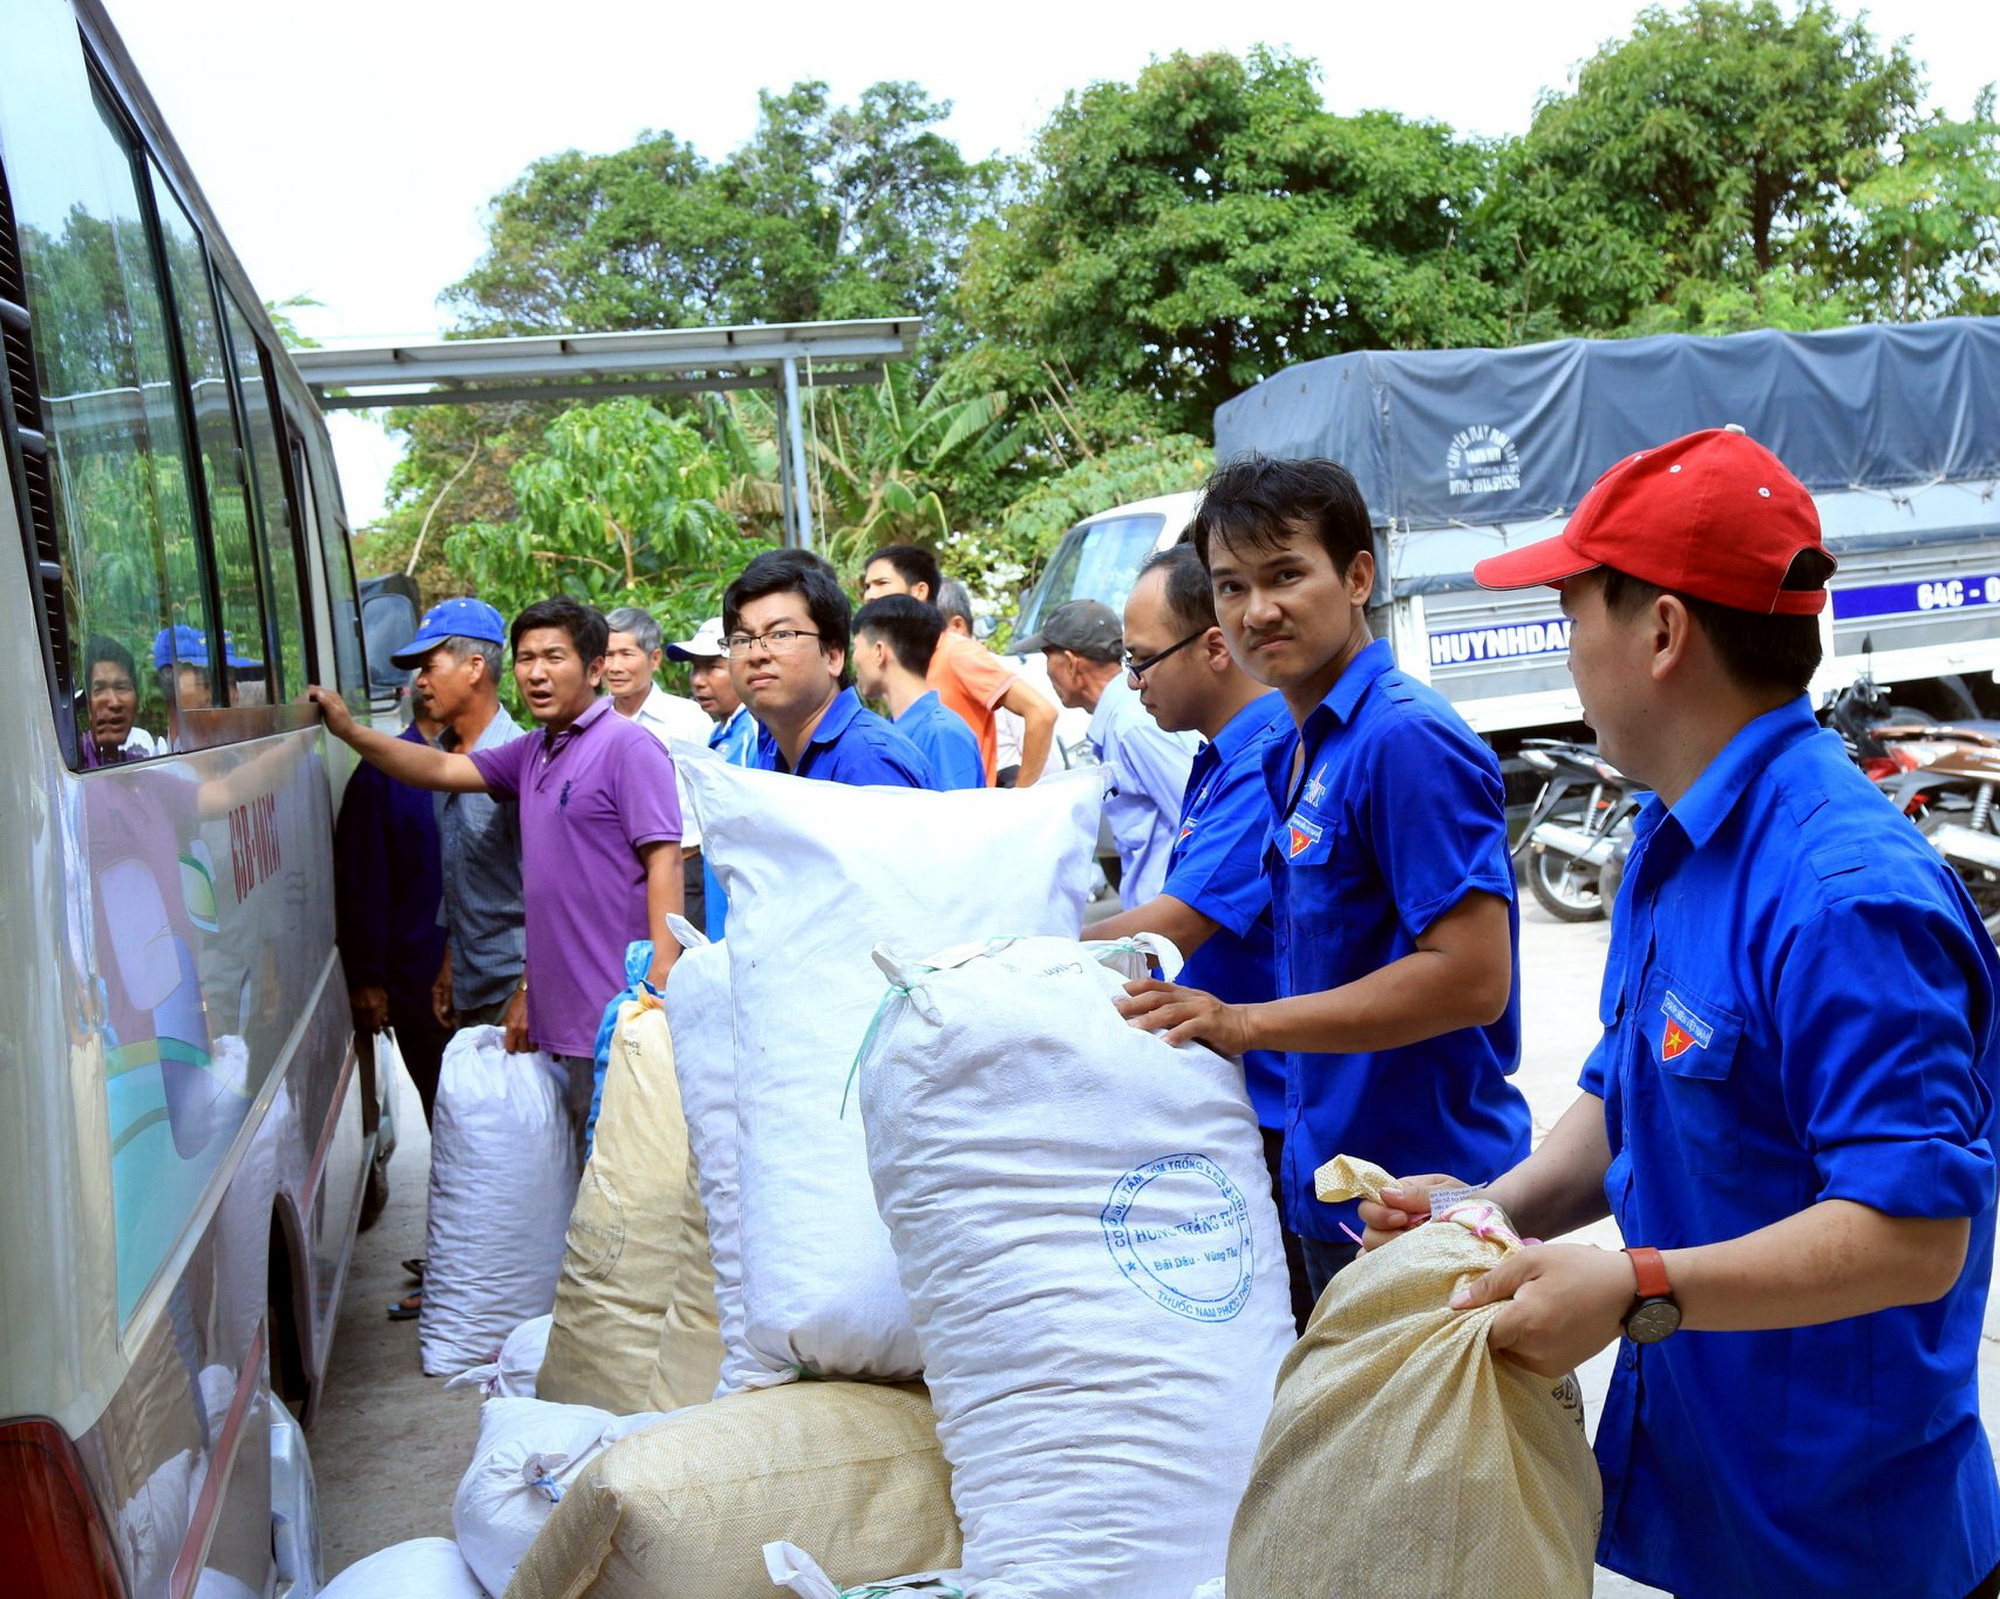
968 677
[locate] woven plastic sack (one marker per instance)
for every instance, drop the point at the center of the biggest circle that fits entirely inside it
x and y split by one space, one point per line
816 873
503 1178
529 1453
636 1282
1455 1471
683 1510
1083 1219
512 1373
697 1005
423 1568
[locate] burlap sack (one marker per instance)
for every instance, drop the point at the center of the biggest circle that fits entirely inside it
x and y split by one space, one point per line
683 1510
637 1290
1402 1456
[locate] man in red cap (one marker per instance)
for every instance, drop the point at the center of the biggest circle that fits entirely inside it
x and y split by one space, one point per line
1791 1112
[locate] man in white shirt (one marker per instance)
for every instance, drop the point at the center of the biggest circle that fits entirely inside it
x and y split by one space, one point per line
631 662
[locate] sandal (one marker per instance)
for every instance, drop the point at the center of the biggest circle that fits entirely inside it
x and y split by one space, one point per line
409 1307
415 1267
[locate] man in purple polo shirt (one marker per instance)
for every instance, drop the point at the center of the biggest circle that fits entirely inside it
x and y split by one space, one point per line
600 830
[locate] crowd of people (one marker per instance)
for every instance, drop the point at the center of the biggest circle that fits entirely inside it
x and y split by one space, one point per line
1804 1178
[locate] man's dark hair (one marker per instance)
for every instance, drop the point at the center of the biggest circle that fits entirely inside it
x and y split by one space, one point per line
914 564
1190 600
1777 653
1258 501
909 626
588 634
802 573
101 648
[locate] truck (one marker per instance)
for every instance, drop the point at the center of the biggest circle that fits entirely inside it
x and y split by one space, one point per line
1460 454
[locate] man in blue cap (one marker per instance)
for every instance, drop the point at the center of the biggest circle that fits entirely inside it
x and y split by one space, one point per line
458 653
180 663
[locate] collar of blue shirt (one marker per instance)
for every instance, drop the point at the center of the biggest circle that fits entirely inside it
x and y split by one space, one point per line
1707 804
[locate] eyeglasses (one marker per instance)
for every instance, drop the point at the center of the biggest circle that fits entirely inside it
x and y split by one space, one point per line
1141 668
779 641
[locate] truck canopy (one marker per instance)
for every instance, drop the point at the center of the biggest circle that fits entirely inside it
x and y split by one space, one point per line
1445 438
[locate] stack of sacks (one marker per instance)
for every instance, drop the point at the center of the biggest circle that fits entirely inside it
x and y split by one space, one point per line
423 1568
697 1005
1083 1221
636 1288
1456 1472
503 1178
513 1373
815 873
684 1509
530 1452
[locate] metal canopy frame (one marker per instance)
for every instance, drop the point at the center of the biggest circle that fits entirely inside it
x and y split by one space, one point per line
780 356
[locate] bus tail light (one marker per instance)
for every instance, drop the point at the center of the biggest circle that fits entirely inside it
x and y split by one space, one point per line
52 1543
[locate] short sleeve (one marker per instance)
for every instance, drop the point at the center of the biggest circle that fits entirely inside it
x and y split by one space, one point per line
503 766
1435 817
1889 1085
1220 870
982 677
649 798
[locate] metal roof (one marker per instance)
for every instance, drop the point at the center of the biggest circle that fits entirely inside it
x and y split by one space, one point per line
597 365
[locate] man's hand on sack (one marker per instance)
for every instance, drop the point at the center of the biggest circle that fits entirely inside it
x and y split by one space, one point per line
1406 1205
1564 1302
1186 1014
517 1041
371 1008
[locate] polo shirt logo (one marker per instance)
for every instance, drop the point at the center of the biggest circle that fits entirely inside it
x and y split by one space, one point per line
1304 834
1685 1030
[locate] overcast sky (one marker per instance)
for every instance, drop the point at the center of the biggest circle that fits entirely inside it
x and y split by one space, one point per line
350 149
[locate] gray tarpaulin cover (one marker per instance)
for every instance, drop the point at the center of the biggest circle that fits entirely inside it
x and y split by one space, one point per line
1481 436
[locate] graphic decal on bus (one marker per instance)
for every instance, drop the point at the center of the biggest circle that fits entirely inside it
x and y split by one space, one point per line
1462 646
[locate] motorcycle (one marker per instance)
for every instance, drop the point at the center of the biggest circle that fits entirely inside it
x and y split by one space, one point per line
1579 830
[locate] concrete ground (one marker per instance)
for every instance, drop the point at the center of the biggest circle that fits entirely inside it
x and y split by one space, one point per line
390 1445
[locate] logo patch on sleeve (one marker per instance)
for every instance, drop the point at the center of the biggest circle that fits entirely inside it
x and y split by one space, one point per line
1684 1030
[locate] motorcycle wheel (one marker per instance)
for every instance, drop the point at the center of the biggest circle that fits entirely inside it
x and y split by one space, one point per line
1567 889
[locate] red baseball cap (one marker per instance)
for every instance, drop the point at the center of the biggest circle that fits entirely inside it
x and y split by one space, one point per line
1715 515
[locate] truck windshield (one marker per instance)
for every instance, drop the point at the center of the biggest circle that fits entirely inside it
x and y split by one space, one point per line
1096 561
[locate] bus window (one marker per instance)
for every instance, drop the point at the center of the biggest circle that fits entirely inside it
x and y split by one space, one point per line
274 510
119 473
246 678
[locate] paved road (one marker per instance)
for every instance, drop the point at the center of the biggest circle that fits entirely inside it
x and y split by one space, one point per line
390 1445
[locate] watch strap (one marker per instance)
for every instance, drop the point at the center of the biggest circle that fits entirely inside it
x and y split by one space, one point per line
1651 1272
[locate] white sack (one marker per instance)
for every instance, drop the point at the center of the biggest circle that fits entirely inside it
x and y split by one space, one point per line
529 1453
1083 1220
423 1568
697 1005
511 1374
816 873
503 1178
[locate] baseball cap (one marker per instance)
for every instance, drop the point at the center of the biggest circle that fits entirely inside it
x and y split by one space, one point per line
458 618
705 645
189 646
1084 627
1714 514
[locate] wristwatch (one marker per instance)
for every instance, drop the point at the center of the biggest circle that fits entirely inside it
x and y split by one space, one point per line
1656 1315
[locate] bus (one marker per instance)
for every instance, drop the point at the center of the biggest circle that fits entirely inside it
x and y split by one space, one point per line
187 1126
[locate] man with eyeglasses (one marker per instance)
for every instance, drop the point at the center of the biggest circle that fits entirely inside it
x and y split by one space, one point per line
1216 902
1147 767
786 631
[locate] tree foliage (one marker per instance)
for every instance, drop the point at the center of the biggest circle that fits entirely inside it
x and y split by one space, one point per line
826 212
1195 231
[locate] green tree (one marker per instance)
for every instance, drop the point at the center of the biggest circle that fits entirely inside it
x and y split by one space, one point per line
616 507
1197 230
1702 162
827 211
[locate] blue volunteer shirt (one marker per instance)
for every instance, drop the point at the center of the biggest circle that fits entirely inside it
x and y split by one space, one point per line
735 738
1398 816
946 741
1798 1006
1217 866
852 745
